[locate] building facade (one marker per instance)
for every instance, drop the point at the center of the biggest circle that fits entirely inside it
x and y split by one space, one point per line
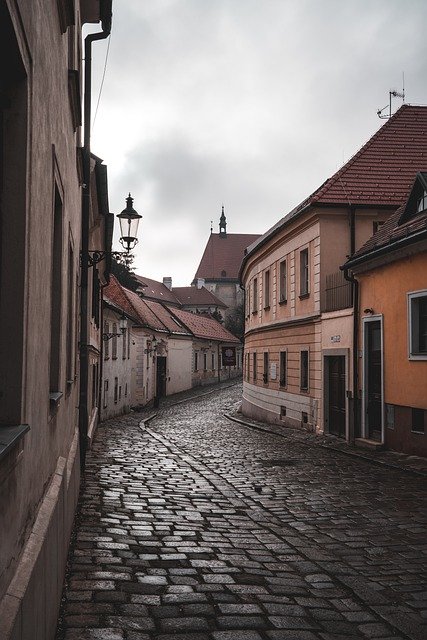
299 331
218 270
41 184
391 320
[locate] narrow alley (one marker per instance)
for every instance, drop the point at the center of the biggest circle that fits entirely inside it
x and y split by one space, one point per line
192 526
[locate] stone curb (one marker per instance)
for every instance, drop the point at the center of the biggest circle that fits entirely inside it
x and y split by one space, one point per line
353 454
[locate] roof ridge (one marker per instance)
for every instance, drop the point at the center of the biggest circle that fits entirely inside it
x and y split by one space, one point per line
345 167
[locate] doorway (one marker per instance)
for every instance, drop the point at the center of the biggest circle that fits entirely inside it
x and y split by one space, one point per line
336 415
161 377
373 379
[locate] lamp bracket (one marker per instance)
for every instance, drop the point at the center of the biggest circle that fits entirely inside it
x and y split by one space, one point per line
91 258
108 336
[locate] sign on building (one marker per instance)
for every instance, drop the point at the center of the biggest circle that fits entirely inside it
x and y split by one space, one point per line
229 356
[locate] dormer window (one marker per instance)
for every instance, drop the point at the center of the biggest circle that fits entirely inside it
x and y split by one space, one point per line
422 203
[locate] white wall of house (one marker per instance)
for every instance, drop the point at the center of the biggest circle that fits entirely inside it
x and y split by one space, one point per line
116 396
178 365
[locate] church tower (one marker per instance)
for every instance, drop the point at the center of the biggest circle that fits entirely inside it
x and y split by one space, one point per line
222 225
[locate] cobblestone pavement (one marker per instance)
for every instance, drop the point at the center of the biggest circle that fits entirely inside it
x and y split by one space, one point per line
194 527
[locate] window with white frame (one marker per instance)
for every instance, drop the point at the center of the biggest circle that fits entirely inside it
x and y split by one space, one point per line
417 303
283 282
255 296
267 289
304 273
283 368
304 371
114 340
265 371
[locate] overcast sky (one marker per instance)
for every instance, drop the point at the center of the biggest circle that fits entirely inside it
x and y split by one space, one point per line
247 103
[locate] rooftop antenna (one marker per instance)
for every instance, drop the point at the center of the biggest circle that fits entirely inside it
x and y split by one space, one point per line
211 226
395 94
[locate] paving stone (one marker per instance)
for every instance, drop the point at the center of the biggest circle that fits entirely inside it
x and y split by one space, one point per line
188 531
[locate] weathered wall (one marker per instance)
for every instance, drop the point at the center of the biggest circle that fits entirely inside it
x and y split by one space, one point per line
39 477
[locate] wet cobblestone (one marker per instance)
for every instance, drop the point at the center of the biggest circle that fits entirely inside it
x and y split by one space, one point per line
193 527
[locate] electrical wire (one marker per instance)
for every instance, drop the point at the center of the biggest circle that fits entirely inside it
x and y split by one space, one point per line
102 81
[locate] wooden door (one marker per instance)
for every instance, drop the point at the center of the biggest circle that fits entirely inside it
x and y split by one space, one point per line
336 399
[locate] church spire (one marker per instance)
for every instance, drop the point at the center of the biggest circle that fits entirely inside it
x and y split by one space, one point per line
222 225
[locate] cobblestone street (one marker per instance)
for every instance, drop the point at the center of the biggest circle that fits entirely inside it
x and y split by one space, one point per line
195 527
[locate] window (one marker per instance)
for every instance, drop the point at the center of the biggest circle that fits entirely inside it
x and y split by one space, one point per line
70 315
128 334
283 282
255 295
196 361
417 420
213 361
116 389
304 273
283 369
254 365
422 203
105 393
267 289
418 325
94 384
304 371
377 224
124 344
126 390
114 341
265 373
56 296
106 342
205 362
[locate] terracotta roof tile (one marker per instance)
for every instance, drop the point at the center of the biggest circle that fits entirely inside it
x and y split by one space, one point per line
156 290
379 174
204 327
193 296
224 254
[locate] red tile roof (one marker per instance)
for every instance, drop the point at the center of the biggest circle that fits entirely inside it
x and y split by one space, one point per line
379 174
192 296
399 227
204 327
224 254
158 317
156 290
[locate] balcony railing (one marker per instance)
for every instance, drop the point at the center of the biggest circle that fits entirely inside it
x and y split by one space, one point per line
338 292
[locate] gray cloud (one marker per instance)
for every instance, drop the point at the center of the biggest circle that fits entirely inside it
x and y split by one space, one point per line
253 103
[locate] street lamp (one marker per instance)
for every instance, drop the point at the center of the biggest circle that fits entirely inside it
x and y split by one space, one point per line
122 327
129 222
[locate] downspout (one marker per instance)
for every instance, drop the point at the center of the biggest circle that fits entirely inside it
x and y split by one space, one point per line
84 276
355 296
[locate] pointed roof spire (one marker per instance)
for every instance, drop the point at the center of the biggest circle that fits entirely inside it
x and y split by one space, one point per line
223 224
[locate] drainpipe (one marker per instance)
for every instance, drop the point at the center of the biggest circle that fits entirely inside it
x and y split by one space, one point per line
105 8
355 296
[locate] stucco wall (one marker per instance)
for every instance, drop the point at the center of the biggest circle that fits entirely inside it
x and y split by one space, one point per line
39 477
120 367
384 290
178 365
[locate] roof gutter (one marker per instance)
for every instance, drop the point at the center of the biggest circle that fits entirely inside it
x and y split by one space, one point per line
386 249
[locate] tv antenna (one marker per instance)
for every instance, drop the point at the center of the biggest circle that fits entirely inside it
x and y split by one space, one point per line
392 94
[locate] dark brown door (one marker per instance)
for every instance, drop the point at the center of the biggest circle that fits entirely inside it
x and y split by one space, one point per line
161 376
374 381
337 395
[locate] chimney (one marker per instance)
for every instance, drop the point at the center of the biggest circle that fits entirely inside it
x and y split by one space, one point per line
168 283
200 283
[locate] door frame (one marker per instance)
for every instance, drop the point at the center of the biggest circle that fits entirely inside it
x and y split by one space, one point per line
327 353
365 321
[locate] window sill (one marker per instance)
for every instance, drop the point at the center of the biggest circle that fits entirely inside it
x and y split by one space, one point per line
10 436
55 399
418 356
303 296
